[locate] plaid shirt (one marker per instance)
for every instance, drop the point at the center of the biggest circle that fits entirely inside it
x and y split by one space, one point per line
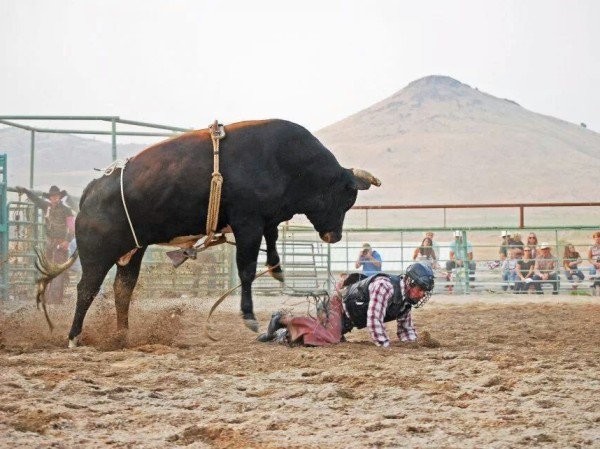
545 265
380 291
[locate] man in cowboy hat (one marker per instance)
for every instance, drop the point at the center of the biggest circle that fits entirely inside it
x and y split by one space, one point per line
60 230
545 269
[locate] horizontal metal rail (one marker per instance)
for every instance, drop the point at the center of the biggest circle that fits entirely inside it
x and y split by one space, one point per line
520 206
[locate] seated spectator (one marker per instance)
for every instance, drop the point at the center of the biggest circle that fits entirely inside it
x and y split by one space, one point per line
571 261
545 269
596 287
461 254
425 253
524 271
503 251
516 241
532 242
594 254
436 247
509 270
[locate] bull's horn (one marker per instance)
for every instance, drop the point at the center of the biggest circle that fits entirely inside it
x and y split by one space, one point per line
366 176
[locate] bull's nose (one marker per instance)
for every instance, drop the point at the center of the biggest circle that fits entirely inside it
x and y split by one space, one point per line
330 237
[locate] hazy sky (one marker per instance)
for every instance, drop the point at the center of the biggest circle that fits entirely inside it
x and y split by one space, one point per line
185 62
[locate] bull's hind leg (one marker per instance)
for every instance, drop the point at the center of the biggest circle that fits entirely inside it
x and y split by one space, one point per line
271 235
87 289
246 255
125 281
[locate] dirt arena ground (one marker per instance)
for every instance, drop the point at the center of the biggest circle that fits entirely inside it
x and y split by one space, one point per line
498 372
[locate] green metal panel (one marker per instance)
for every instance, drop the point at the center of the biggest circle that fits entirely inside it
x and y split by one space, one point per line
3 230
25 232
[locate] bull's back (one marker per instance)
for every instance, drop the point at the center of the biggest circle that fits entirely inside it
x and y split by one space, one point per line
167 185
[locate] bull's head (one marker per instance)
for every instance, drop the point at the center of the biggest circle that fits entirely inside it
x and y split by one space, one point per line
328 215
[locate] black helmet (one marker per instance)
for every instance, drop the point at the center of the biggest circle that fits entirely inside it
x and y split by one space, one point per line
422 275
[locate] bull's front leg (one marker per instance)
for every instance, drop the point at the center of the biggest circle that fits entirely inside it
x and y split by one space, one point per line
248 245
273 260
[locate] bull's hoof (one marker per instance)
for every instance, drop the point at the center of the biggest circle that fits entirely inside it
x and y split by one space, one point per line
277 273
251 324
121 338
73 342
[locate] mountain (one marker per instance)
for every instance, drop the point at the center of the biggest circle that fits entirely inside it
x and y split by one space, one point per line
62 159
440 141
437 141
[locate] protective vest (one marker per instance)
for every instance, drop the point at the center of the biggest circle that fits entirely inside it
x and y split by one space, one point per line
356 302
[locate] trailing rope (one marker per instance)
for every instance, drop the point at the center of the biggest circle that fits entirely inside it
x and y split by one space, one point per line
225 295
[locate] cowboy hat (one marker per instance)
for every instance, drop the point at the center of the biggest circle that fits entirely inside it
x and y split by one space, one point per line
54 190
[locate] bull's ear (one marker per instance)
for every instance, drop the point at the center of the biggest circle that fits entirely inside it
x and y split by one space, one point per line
363 179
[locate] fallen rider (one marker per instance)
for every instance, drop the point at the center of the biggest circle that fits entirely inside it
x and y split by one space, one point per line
368 302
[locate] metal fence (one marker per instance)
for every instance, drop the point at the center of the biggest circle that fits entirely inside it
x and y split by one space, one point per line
25 232
310 266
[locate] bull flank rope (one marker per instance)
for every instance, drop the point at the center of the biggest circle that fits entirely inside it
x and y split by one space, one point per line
121 164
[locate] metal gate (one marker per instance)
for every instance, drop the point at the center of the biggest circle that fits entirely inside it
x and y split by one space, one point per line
25 231
207 276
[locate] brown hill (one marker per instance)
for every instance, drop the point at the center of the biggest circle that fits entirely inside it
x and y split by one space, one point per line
435 141
63 159
441 141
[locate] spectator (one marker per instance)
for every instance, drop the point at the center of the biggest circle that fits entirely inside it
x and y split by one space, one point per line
460 253
503 251
369 259
509 270
436 247
516 241
425 253
532 242
594 254
367 302
60 230
571 261
545 269
524 271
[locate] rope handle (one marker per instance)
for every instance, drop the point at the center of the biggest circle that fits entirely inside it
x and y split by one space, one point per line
217 132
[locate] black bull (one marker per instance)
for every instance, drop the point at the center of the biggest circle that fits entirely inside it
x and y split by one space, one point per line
271 170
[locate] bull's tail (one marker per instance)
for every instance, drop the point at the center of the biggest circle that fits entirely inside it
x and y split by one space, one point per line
49 271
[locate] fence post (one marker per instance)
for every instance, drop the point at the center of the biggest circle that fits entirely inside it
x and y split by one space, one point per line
114 139
466 262
31 159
